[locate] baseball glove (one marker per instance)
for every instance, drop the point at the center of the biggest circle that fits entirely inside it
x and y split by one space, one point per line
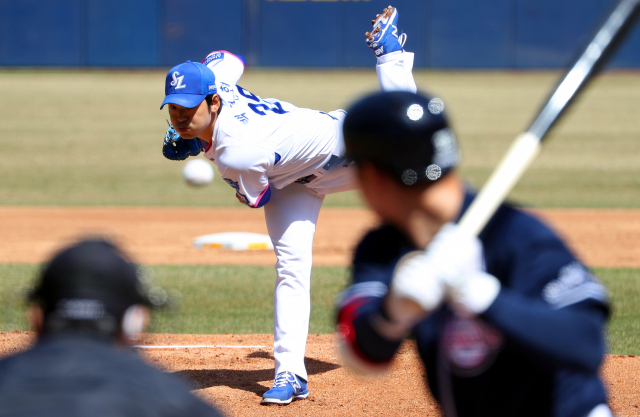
177 149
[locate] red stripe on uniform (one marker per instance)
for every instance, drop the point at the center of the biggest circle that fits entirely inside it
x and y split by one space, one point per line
348 332
254 205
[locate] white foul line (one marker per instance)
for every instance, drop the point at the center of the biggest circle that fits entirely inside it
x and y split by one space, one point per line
198 347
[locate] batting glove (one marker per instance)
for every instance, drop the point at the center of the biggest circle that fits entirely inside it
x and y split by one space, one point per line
179 149
415 289
456 259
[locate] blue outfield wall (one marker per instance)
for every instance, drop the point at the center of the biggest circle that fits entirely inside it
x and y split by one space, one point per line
299 33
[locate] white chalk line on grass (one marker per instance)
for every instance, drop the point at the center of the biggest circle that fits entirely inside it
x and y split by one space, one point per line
198 346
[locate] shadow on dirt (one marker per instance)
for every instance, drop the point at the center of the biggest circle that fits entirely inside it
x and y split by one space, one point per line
246 380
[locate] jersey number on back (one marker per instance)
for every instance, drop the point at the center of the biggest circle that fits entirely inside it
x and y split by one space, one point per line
261 106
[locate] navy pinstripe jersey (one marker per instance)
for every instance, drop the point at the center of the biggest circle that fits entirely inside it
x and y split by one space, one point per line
535 351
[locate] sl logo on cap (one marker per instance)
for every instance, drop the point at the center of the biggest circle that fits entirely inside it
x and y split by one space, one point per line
177 81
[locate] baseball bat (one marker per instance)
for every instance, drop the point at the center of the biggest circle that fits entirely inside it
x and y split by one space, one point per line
528 144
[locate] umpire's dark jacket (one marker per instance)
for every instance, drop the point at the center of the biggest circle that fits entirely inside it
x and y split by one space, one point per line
71 375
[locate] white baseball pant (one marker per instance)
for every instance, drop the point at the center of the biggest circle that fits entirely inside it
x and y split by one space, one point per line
291 216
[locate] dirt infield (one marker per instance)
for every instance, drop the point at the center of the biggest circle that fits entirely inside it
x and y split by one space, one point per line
233 376
234 370
604 238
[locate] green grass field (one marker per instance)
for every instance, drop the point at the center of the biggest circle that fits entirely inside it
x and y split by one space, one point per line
224 299
93 138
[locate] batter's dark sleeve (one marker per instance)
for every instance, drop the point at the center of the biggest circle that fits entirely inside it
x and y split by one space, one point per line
361 305
569 337
550 305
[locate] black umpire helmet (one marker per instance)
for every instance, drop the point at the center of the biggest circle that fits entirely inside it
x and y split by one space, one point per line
88 286
402 133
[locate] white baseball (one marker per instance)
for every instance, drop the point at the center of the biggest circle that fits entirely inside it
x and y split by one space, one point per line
197 172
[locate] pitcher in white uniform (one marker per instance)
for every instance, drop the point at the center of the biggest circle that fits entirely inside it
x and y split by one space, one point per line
280 157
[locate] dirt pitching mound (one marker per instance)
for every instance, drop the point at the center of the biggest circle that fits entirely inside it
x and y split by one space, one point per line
233 371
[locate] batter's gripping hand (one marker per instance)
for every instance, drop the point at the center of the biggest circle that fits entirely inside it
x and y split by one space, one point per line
456 258
178 149
415 290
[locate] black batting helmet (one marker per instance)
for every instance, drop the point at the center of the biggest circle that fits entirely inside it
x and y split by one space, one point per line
402 133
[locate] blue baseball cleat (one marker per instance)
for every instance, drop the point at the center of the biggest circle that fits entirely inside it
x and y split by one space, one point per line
384 38
286 388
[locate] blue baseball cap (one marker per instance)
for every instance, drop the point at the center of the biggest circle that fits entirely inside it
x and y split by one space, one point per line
188 84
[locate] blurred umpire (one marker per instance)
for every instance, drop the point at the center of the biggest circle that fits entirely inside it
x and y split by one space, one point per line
87 306
509 323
